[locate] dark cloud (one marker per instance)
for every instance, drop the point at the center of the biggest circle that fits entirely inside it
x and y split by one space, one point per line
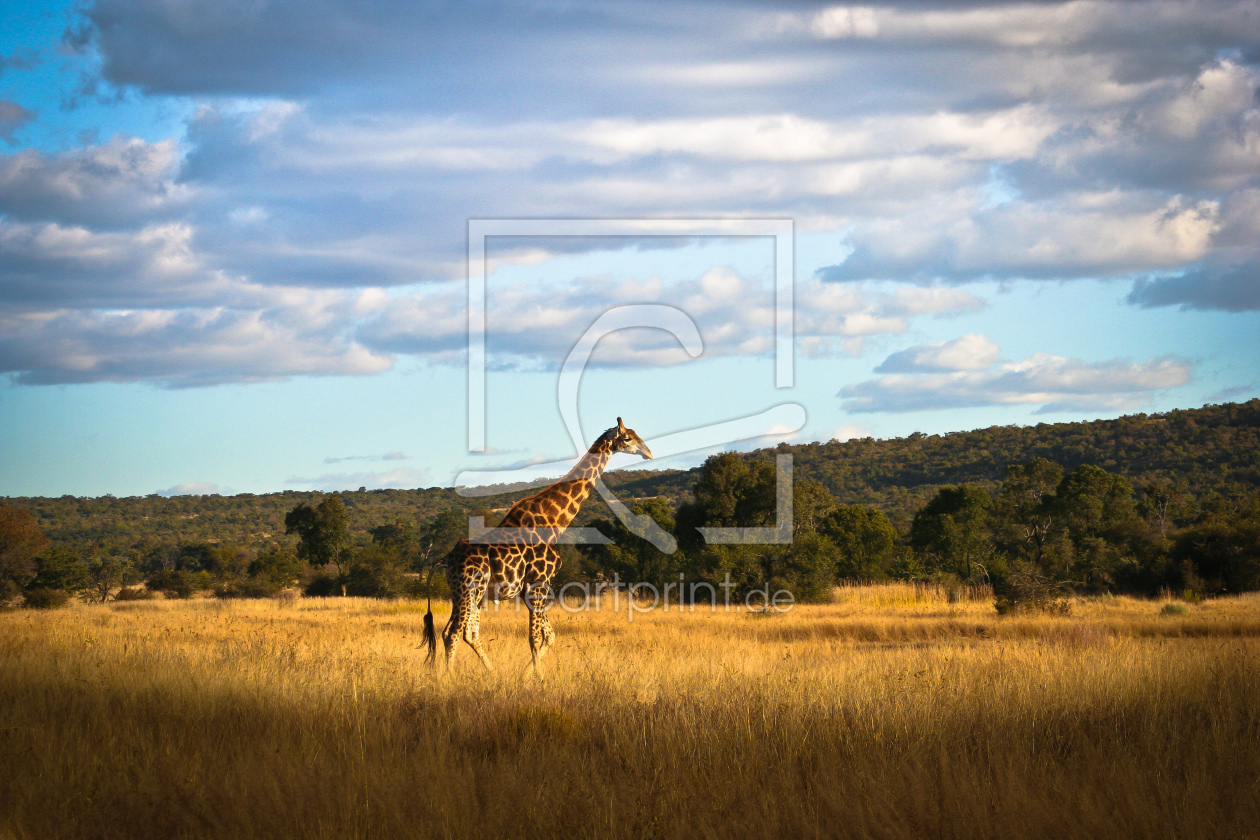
336 148
12 117
1232 286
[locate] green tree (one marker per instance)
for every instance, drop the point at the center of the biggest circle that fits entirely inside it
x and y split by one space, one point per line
323 532
951 532
1024 515
21 541
105 571
632 558
1165 502
864 539
730 493
1224 556
1097 512
440 534
806 568
60 568
811 504
376 571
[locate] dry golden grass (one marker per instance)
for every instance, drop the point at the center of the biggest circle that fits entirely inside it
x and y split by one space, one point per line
890 713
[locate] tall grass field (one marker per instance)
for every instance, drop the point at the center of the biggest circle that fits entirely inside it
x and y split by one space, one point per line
893 712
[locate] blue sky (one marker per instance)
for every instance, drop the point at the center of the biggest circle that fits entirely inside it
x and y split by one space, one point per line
233 233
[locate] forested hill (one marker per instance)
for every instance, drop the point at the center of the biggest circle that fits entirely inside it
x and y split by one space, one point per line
1215 448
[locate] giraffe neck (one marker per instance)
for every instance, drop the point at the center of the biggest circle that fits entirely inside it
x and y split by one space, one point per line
571 491
592 464
555 507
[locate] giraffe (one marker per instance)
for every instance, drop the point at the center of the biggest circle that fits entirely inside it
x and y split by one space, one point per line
524 559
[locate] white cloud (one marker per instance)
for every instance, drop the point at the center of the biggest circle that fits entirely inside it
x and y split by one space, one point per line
195 488
530 326
1084 235
107 185
181 348
402 478
970 352
1054 383
849 431
1056 26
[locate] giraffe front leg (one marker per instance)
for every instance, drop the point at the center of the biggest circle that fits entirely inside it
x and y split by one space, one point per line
541 636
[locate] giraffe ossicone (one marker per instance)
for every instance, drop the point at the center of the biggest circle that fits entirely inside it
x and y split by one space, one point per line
521 559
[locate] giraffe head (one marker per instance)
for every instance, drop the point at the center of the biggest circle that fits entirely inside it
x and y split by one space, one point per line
626 440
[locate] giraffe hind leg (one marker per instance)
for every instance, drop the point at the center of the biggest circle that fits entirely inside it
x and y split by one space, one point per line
470 614
450 634
472 635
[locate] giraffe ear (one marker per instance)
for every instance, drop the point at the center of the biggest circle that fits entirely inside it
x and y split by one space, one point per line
621 427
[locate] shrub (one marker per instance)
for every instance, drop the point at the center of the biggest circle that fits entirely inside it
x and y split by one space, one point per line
1027 589
133 593
1173 609
248 588
178 583
43 598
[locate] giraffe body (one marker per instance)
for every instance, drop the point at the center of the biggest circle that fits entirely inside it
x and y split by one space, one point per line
522 559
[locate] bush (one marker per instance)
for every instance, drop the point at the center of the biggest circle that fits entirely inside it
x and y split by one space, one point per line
133 593
43 598
376 572
1027 589
276 565
9 591
178 583
1173 609
248 588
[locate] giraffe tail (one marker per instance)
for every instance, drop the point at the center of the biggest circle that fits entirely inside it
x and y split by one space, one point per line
430 634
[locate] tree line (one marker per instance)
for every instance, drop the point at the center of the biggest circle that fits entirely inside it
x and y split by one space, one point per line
1139 504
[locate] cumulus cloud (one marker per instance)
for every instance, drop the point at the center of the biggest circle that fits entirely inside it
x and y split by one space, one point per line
951 375
180 348
530 326
344 151
1088 235
110 185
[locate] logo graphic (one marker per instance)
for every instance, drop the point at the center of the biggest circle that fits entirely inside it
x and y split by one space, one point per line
790 416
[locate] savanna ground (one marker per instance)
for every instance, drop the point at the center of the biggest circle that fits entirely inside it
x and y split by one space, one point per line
890 713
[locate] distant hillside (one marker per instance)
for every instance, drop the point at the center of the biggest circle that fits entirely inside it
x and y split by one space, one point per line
1214 449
